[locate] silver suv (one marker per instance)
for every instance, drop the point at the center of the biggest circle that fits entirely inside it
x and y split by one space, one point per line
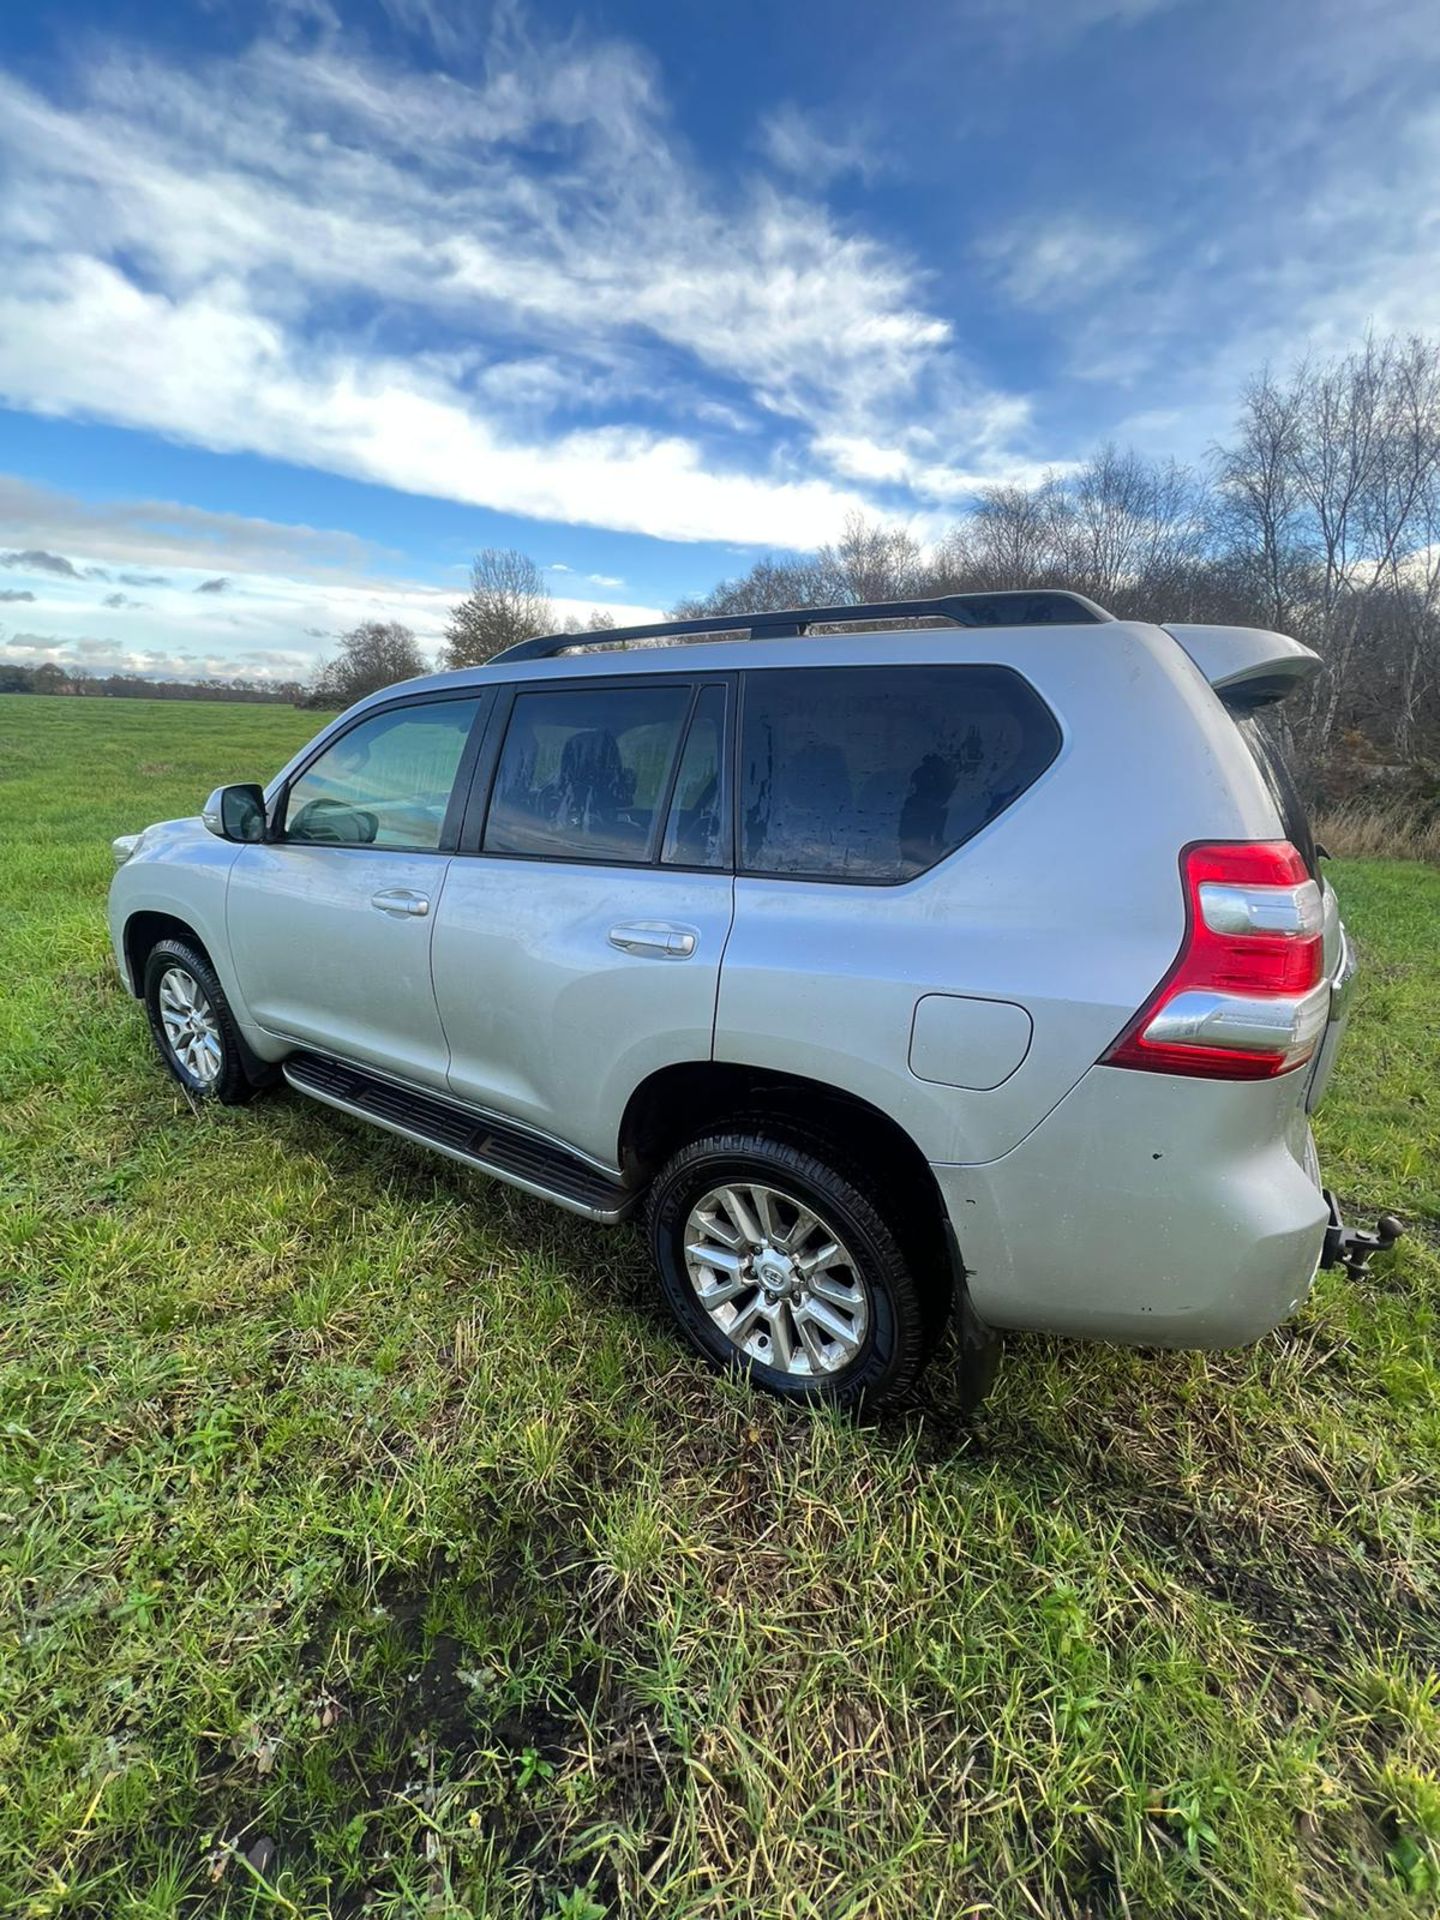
975 968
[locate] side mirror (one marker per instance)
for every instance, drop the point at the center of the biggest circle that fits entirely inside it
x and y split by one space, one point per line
236 813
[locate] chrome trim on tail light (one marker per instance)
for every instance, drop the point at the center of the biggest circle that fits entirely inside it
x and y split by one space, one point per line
1296 912
1288 1024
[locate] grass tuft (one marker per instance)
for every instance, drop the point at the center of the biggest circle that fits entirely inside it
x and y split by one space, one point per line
1379 830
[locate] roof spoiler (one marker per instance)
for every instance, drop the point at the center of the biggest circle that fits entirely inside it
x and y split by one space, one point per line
1040 607
1247 666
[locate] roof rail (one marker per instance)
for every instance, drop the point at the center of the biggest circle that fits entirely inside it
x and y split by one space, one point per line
1045 606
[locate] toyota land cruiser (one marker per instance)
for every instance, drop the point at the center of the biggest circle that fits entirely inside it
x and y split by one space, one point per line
975 964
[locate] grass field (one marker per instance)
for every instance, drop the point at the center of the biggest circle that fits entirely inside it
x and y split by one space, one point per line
368 1545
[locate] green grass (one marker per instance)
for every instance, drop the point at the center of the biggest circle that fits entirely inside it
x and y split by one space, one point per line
368 1545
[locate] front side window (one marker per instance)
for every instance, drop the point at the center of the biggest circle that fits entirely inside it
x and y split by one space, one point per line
876 773
584 772
385 783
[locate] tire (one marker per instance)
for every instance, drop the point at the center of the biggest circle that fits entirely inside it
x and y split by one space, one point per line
783 1333
212 1068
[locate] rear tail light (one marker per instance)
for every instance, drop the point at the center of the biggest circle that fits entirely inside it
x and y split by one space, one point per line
1246 998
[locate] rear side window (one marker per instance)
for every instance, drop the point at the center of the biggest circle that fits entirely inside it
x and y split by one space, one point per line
698 831
875 773
584 772
1269 757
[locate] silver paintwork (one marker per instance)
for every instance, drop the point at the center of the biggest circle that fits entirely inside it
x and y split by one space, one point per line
1229 656
1343 978
1147 1209
1083 1197
777 1280
320 962
212 815
190 1026
547 1020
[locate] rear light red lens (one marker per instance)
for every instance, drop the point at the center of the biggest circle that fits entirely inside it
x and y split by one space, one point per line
1244 999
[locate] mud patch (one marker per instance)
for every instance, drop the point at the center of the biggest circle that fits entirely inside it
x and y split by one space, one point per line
1308 1598
430 1727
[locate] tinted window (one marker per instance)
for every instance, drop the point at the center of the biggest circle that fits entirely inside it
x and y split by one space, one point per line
875 773
695 834
385 783
584 771
1269 757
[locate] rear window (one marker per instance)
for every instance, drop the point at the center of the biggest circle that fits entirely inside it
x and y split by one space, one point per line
876 773
1269 757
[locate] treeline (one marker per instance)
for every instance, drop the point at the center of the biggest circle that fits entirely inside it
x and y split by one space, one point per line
1320 519
49 678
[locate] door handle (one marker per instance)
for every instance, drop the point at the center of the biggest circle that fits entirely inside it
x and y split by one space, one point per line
656 938
400 901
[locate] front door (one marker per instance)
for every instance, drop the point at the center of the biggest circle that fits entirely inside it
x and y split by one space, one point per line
330 921
578 945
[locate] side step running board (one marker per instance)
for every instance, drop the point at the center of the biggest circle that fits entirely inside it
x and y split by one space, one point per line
497 1147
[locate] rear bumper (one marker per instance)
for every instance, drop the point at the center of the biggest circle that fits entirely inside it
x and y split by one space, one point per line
1148 1209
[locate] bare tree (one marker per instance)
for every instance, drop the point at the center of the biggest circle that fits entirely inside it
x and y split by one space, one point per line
1124 526
1259 505
769 585
1407 531
507 603
1007 540
871 561
373 655
598 620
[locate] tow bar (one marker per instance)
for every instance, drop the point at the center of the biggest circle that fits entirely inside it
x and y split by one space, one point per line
1351 1247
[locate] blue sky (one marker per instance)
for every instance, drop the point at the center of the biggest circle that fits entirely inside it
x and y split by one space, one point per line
313 299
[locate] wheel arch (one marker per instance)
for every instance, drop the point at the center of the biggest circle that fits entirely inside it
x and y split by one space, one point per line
681 1102
143 932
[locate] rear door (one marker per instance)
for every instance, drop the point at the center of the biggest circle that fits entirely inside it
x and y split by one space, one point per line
887 941
578 945
330 921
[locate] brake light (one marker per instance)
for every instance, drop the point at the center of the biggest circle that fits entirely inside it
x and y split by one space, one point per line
1246 997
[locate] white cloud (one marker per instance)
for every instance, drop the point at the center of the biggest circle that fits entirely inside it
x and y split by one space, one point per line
76 336
1023 27
1315 219
451 28
155 533
289 591
244 253
626 613
96 654
1062 260
812 150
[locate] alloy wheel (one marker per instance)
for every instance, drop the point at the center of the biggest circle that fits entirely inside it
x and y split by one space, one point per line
776 1279
192 1031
